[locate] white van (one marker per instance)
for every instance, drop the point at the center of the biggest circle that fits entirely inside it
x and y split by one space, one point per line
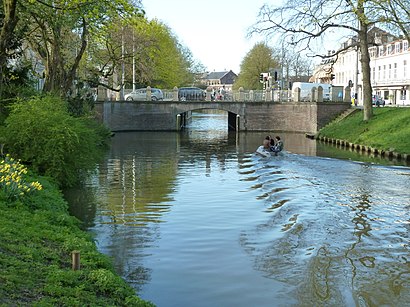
306 90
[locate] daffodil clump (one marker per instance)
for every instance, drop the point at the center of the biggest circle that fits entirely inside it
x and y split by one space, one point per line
13 180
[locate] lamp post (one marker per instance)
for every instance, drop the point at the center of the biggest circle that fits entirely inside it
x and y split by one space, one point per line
282 79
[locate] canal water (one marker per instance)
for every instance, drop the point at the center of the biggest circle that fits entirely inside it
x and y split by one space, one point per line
196 219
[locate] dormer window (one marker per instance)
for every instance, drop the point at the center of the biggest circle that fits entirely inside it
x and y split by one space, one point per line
390 49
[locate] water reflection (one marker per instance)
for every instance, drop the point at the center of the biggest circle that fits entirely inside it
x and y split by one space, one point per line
195 219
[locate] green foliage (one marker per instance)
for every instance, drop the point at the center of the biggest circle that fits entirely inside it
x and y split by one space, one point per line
171 62
16 84
389 128
35 259
259 59
42 133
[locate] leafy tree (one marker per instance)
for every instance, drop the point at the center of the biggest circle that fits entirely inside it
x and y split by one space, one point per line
59 33
259 59
147 51
170 59
310 20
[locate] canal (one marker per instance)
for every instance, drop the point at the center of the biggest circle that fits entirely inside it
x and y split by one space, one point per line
196 219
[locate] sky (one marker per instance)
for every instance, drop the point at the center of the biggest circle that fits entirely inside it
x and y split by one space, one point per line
214 30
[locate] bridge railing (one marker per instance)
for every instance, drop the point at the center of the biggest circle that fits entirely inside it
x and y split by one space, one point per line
268 95
241 95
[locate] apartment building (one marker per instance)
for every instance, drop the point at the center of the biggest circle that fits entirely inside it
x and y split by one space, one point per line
389 67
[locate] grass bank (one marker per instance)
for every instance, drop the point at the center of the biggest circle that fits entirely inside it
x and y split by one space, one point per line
37 236
388 129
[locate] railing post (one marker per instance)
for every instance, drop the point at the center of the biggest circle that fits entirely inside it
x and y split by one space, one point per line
175 94
319 94
296 94
313 92
241 94
268 94
346 97
251 95
208 94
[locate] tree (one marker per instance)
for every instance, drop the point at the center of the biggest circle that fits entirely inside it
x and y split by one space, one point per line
396 15
171 61
260 59
312 20
59 33
8 22
147 51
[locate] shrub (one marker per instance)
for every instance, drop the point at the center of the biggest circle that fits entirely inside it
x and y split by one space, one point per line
42 133
13 179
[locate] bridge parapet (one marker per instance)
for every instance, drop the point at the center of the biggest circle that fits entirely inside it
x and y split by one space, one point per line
270 94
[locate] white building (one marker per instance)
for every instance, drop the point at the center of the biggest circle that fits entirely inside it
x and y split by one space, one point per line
389 67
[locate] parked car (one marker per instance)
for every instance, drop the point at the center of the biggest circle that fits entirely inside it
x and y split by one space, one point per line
191 93
378 101
141 94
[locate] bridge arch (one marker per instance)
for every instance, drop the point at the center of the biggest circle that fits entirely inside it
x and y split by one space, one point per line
184 118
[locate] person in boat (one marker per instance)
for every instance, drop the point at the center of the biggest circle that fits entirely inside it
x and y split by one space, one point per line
278 145
264 149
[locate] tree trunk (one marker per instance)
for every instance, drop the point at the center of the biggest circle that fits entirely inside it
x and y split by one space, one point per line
365 65
9 23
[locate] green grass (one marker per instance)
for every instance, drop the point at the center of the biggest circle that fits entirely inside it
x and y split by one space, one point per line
37 236
388 129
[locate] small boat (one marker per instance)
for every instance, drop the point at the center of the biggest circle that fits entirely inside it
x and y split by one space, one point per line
261 151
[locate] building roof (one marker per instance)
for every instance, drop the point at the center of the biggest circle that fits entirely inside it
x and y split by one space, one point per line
217 75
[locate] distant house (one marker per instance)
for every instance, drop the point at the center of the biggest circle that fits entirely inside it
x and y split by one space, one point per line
217 80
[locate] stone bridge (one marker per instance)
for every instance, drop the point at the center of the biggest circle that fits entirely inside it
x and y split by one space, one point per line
242 116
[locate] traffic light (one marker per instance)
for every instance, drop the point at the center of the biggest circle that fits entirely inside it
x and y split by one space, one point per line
276 76
332 76
261 77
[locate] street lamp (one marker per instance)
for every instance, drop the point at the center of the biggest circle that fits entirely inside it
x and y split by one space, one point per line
282 79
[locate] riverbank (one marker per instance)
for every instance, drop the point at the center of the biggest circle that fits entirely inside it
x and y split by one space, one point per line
385 134
37 238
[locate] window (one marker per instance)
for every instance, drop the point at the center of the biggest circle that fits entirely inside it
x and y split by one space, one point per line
379 75
389 71
404 69
384 72
405 45
403 94
381 51
373 73
390 49
372 52
395 71
398 47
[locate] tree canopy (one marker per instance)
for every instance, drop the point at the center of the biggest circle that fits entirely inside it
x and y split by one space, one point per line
106 42
260 59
